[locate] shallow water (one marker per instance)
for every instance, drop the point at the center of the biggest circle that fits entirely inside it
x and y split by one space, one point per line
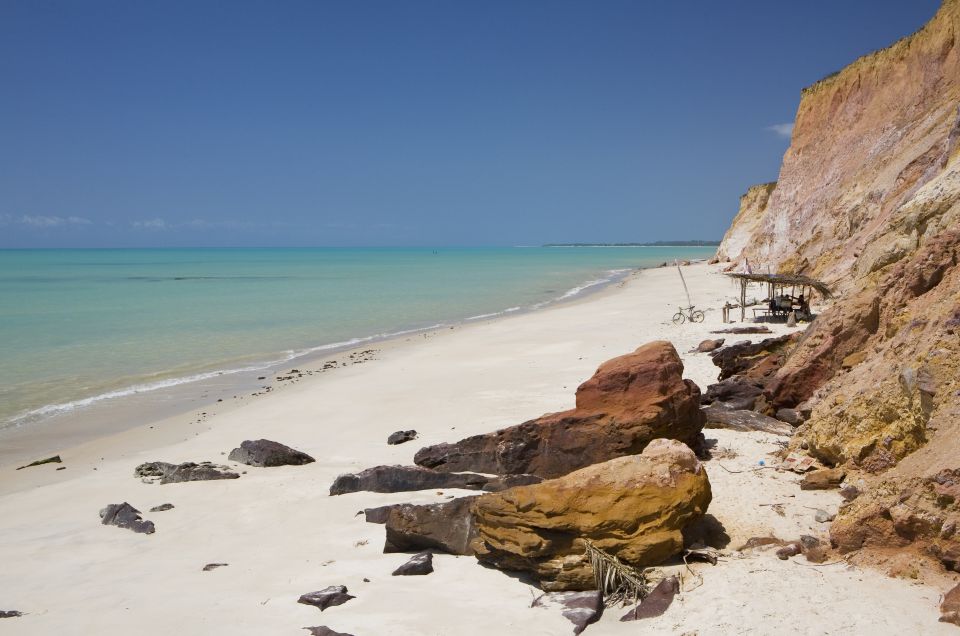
82 326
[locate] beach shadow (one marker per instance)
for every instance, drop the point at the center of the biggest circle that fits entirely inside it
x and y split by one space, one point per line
708 531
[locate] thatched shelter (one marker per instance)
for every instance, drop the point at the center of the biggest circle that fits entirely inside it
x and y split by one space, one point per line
780 282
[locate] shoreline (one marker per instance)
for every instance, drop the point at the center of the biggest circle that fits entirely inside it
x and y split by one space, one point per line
283 535
87 419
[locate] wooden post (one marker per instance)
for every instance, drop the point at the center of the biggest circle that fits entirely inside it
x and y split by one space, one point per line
743 298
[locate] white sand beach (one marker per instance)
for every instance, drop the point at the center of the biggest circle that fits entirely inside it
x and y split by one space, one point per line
283 535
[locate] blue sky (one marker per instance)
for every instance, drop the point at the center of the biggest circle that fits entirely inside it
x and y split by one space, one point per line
405 123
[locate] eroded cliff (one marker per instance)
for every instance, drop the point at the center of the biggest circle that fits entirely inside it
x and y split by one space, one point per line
868 199
868 176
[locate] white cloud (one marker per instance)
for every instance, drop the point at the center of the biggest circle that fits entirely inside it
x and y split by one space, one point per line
150 224
39 221
783 130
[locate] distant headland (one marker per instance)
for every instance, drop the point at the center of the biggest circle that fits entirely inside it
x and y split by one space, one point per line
648 244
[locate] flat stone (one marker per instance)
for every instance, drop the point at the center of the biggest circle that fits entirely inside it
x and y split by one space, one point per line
168 473
418 565
404 479
657 602
10 613
162 507
214 566
323 630
125 516
580 608
327 597
40 462
400 437
738 420
266 453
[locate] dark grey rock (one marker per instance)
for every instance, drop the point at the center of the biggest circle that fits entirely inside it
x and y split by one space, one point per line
737 392
822 516
10 613
267 453
378 515
656 602
401 436
323 630
447 527
580 608
790 416
125 516
737 420
405 478
188 471
40 462
162 507
214 566
418 564
327 597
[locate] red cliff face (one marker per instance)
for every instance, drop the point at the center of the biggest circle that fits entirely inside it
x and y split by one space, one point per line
869 175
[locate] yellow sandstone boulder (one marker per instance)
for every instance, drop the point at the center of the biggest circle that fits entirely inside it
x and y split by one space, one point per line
634 508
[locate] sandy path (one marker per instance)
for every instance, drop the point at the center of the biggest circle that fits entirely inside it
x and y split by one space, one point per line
283 535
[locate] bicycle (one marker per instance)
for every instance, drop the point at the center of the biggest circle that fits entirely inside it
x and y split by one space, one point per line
692 315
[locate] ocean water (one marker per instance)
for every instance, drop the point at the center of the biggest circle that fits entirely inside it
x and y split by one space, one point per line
79 327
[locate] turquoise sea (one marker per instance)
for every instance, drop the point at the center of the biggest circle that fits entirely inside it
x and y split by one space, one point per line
83 326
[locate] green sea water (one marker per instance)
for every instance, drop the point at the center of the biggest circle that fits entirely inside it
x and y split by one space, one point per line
82 326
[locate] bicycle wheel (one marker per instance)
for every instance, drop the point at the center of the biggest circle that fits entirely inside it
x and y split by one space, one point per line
696 316
678 318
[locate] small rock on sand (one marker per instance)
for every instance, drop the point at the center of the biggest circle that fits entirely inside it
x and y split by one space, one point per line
419 564
10 613
822 516
950 607
656 602
266 453
125 516
40 462
214 566
327 597
323 630
580 608
823 479
162 507
400 437
789 550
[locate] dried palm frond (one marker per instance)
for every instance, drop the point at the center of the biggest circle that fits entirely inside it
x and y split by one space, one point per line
617 581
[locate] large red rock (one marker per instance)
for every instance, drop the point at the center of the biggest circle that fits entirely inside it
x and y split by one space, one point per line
628 402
